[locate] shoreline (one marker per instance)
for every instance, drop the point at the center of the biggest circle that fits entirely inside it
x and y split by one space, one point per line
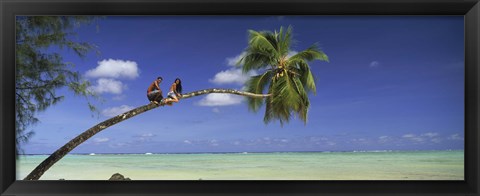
246 152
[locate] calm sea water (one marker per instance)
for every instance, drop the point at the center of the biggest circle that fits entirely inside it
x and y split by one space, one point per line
416 165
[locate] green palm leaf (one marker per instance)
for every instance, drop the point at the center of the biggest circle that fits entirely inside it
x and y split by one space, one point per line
255 59
310 54
305 104
262 40
285 98
285 39
306 76
269 113
257 84
289 79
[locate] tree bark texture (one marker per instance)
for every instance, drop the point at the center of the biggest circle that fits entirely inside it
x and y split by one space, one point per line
64 150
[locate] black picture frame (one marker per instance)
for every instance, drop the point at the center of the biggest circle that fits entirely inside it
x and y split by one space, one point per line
10 8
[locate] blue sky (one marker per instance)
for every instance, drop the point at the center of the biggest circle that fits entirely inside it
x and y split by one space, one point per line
392 83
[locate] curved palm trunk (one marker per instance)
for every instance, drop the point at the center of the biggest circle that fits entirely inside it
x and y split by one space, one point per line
64 150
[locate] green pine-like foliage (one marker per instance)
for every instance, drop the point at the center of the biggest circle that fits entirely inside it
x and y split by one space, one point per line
41 72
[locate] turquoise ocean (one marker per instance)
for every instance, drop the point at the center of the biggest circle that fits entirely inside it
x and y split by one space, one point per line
374 165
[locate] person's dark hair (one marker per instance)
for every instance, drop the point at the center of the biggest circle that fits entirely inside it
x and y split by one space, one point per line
179 85
159 78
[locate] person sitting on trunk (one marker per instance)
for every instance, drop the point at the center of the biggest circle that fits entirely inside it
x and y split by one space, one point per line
154 93
175 92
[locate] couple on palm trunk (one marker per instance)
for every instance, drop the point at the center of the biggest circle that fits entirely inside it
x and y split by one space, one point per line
154 93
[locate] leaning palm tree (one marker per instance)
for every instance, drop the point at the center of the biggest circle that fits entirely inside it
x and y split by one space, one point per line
287 75
69 146
289 80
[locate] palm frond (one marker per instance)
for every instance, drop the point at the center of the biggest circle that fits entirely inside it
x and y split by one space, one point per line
261 40
309 54
255 59
261 51
304 102
272 39
269 113
257 84
285 98
306 76
285 40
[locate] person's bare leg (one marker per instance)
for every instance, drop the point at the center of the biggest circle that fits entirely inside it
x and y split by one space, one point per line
175 99
169 102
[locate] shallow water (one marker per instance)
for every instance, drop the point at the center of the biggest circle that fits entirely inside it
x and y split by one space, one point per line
408 165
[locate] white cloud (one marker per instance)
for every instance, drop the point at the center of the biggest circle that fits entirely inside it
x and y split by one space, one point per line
119 98
291 53
455 137
232 61
408 136
216 110
374 64
426 137
384 139
430 134
361 141
207 142
331 143
111 112
105 85
119 145
144 137
216 99
109 72
114 69
436 140
213 142
101 140
147 135
232 76
413 137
